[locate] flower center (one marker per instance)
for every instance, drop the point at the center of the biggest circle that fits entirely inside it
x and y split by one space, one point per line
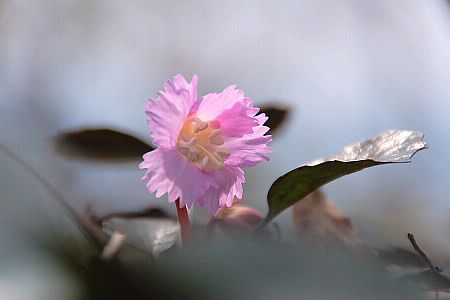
200 142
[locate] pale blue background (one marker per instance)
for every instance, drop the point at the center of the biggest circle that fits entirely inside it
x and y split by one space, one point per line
349 69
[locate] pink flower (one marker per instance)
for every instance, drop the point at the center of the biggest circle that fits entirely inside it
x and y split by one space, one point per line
202 144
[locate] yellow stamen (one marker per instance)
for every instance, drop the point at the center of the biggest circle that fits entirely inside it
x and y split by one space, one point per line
200 142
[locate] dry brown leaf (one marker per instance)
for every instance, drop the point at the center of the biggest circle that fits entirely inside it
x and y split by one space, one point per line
316 217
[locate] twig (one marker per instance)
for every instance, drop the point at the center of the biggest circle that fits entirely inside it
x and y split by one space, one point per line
440 281
420 252
84 229
113 245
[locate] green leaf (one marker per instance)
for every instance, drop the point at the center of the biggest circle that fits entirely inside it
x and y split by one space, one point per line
101 144
393 146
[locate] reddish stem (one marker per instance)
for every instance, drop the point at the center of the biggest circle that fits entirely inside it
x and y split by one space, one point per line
185 225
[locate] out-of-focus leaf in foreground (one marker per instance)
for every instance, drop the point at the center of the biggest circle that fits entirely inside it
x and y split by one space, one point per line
277 116
263 269
228 268
100 144
393 146
152 235
317 218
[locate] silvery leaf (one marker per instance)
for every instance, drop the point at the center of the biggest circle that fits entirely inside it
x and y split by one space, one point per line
394 146
152 235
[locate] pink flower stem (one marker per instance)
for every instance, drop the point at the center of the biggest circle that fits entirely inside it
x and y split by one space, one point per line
185 225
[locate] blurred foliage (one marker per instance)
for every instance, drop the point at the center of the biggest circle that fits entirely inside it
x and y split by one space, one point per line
277 116
101 144
231 268
111 145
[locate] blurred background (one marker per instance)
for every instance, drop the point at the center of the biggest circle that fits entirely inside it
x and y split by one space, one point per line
348 70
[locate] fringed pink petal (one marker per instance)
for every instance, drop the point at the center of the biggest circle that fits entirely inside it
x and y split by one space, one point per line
228 187
213 104
169 172
167 112
234 121
250 149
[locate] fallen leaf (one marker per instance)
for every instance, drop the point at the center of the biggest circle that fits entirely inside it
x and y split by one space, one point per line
316 217
401 257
